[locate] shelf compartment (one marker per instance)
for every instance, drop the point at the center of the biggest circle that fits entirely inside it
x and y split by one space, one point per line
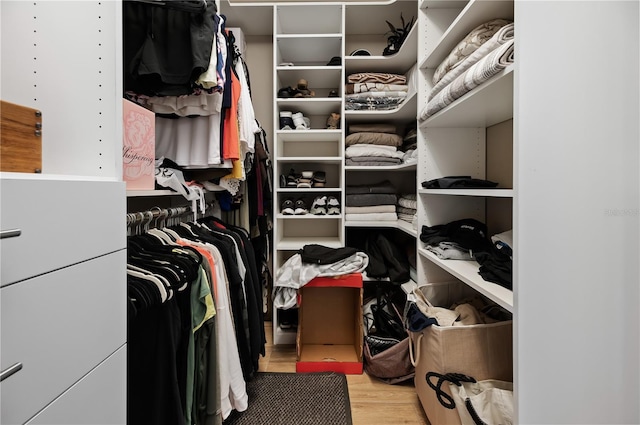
330 166
475 13
323 146
398 224
399 63
308 50
316 109
486 105
312 19
404 113
296 243
321 79
467 272
369 19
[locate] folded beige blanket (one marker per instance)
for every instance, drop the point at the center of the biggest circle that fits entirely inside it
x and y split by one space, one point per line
480 72
372 150
468 45
371 209
388 216
365 87
503 35
373 139
377 77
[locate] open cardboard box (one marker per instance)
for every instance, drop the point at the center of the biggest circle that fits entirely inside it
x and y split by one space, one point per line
330 325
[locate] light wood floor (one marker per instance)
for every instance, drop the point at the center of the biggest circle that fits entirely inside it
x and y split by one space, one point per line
372 402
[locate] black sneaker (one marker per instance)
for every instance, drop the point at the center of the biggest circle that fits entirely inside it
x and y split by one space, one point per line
287 207
286 120
287 92
300 207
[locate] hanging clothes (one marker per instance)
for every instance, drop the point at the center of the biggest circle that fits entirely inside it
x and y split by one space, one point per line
196 328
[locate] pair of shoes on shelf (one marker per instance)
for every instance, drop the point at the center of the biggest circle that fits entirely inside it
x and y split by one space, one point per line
319 179
289 180
325 205
291 207
287 92
311 179
291 121
333 122
301 90
306 179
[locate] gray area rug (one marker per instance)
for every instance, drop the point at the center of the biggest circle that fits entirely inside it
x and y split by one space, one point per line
295 399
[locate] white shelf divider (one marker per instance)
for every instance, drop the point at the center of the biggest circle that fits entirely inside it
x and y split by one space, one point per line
489 193
399 167
397 224
296 243
486 105
467 271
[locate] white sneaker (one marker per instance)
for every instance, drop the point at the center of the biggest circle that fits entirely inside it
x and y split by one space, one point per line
300 121
333 206
319 206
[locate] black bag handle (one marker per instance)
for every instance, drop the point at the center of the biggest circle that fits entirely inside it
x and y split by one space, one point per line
456 378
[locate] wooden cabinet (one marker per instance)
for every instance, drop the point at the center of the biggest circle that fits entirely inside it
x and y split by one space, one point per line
20 138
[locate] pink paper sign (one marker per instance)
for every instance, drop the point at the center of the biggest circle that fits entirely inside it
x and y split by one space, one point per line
138 147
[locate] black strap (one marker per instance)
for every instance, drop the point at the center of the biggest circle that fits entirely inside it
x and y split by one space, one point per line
456 378
472 411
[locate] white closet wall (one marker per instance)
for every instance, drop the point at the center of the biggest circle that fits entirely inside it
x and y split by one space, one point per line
63 58
577 212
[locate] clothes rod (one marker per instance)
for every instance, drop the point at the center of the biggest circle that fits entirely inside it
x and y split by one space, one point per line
157 213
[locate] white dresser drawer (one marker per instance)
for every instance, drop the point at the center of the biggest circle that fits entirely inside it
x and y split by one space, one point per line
100 398
59 326
61 222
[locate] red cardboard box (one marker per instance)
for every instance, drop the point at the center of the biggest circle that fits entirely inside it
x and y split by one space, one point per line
138 146
330 325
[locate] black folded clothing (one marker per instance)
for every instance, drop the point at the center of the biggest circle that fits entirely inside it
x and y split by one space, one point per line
496 267
458 182
468 233
320 254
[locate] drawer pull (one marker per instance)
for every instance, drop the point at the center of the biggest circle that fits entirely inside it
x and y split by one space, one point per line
10 371
10 233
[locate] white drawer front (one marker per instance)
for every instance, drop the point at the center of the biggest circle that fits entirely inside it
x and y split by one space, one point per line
100 398
59 326
62 222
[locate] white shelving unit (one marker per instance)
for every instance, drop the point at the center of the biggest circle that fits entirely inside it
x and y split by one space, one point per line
472 136
306 46
368 33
